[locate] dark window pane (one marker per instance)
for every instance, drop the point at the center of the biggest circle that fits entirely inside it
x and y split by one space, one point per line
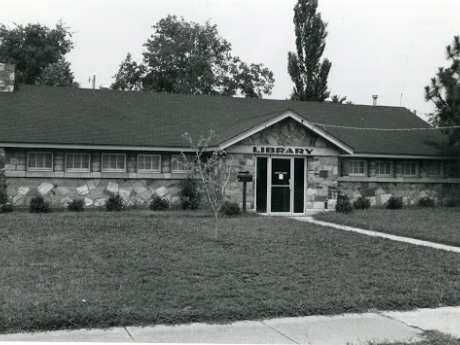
261 188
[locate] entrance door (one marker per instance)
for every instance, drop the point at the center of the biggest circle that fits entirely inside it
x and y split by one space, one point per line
281 185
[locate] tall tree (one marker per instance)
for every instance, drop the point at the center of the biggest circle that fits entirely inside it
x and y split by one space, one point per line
129 76
57 74
444 92
32 48
307 72
186 57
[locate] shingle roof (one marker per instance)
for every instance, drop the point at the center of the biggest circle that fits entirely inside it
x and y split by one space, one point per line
45 115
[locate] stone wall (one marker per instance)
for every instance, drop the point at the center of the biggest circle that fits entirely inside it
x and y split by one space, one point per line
60 192
380 192
241 162
7 77
322 175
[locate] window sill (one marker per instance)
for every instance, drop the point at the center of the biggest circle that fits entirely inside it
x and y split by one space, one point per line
85 175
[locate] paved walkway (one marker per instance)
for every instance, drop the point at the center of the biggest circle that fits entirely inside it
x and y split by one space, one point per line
379 234
334 330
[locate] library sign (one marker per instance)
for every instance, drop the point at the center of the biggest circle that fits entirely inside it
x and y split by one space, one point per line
283 150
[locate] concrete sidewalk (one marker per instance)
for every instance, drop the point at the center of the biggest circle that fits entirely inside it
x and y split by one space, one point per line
336 330
379 234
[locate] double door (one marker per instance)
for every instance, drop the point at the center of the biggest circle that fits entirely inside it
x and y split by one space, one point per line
280 185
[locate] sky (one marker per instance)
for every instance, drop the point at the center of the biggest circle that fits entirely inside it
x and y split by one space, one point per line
391 48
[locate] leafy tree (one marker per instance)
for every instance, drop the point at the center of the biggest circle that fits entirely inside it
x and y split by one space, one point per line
307 72
186 57
57 74
444 92
338 99
129 76
32 48
213 171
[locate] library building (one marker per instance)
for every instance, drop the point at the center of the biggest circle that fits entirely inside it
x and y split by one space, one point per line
69 143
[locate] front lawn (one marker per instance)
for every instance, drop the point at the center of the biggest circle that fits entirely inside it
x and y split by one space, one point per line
441 225
65 270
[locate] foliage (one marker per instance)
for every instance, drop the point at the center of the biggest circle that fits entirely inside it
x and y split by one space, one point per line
39 205
449 202
129 76
343 203
444 92
158 204
32 48
186 57
394 203
307 72
338 99
3 193
425 202
189 194
212 170
7 208
115 203
57 74
362 203
230 209
76 205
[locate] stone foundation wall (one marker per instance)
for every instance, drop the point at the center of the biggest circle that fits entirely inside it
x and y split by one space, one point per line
380 192
241 162
322 173
60 192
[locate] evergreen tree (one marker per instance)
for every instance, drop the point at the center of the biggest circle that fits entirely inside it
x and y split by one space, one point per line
307 72
444 92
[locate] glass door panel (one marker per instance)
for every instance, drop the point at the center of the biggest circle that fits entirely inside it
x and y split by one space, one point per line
280 181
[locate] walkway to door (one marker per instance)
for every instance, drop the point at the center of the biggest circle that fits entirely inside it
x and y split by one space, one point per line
380 234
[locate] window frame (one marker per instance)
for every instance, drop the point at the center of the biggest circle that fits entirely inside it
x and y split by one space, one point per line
113 170
417 169
430 164
377 173
40 169
148 170
77 169
353 161
178 171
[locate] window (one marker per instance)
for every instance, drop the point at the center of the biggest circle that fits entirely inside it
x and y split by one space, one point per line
178 164
358 168
113 162
148 163
383 168
434 169
40 161
77 162
409 169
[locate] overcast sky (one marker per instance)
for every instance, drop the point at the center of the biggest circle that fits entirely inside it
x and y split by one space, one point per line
391 48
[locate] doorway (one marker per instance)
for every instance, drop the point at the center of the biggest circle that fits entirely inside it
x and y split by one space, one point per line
280 185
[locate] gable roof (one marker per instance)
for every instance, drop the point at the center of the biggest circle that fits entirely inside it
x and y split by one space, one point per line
69 116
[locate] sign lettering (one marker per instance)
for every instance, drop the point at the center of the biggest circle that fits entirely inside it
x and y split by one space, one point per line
282 150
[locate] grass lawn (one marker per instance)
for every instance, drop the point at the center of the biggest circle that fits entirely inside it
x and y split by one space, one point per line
441 225
431 338
100 269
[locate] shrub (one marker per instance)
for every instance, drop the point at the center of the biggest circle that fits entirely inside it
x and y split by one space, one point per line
449 202
425 202
189 195
343 203
362 203
6 208
115 203
3 194
394 203
230 208
39 205
159 204
76 206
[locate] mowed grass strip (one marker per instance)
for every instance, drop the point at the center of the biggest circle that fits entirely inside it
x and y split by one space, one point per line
67 271
440 224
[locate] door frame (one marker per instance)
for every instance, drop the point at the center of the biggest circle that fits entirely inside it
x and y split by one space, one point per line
291 185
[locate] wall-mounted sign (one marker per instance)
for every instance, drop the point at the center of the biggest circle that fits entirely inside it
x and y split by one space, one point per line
283 150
